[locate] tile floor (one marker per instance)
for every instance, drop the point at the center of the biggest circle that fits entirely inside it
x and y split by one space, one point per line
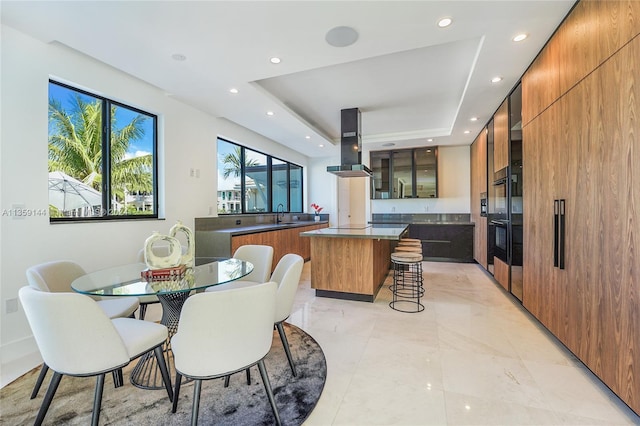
473 356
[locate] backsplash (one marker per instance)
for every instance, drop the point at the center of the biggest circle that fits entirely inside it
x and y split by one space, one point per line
242 220
420 217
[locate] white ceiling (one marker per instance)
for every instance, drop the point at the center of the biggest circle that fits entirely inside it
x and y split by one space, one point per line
411 79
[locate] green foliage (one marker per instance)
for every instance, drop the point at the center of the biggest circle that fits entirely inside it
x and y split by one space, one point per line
75 147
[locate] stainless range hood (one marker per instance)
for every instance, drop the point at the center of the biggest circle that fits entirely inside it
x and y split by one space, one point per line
350 147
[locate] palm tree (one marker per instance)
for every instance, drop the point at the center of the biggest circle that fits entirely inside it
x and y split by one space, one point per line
233 166
75 148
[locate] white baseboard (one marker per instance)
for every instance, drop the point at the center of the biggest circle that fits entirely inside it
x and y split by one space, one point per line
17 358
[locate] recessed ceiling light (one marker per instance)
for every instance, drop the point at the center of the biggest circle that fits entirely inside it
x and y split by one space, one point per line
269 112
321 146
496 79
307 137
444 22
467 132
233 90
474 119
520 37
341 36
389 144
429 140
275 60
178 57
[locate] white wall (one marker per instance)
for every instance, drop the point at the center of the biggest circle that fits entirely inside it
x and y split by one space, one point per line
187 139
323 187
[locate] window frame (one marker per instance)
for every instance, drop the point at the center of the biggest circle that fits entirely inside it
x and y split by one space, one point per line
107 209
269 181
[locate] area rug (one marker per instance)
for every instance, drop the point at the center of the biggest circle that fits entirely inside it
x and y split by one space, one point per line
239 404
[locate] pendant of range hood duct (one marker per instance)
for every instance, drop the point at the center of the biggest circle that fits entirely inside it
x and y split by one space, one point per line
350 146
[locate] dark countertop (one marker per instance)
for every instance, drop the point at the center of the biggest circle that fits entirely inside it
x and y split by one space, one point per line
266 227
368 232
423 223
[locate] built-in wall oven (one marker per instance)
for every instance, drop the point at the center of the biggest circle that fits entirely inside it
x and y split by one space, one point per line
500 201
499 218
500 227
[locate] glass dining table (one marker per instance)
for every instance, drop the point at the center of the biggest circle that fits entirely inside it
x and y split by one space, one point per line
127 280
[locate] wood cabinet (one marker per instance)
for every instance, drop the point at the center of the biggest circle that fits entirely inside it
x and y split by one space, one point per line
584 148
501 137
349 268
283 241
541 82
479 187
591 33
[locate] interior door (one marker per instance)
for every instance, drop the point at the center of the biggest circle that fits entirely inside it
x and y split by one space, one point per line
351 200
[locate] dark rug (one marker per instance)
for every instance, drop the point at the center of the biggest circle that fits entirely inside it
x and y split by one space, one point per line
239 404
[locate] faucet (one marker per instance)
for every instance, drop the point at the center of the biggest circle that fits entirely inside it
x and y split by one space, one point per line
279 212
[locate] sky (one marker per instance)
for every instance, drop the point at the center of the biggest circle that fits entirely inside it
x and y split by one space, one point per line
124 116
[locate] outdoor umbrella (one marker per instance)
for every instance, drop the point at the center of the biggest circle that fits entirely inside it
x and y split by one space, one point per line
67 193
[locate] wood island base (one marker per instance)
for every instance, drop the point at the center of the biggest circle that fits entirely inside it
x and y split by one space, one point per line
351 264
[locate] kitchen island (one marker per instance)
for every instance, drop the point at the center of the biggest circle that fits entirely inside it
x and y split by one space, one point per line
351 262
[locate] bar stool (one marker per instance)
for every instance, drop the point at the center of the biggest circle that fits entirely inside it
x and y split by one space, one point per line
407 287
409 249
410 242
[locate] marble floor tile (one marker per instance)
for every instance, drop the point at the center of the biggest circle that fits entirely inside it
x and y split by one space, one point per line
474 356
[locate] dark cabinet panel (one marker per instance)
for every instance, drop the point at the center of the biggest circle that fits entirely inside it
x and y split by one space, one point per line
444 242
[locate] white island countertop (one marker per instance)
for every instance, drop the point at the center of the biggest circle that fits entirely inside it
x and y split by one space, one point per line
394 232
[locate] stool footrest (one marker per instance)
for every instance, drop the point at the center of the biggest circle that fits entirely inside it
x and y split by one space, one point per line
407 287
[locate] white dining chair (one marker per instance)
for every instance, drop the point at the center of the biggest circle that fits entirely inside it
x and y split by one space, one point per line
76 338
261 257
241 339
287 276
56 277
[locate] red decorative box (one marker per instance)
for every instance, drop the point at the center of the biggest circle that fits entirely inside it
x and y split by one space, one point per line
164 274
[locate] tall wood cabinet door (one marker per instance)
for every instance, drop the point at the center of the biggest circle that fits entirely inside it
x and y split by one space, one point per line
541 82
501 137
540 286
607 292
479 186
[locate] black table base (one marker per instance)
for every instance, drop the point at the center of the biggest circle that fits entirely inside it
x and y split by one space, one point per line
146 374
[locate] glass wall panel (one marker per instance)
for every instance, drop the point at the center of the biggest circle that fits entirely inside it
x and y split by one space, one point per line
426 173
295 185
229 177
279 184
255 182
380 163
402 180
131 162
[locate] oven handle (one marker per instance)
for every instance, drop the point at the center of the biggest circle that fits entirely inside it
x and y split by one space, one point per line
500 182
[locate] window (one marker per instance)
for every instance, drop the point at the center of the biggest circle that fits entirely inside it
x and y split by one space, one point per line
255 182
99 172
